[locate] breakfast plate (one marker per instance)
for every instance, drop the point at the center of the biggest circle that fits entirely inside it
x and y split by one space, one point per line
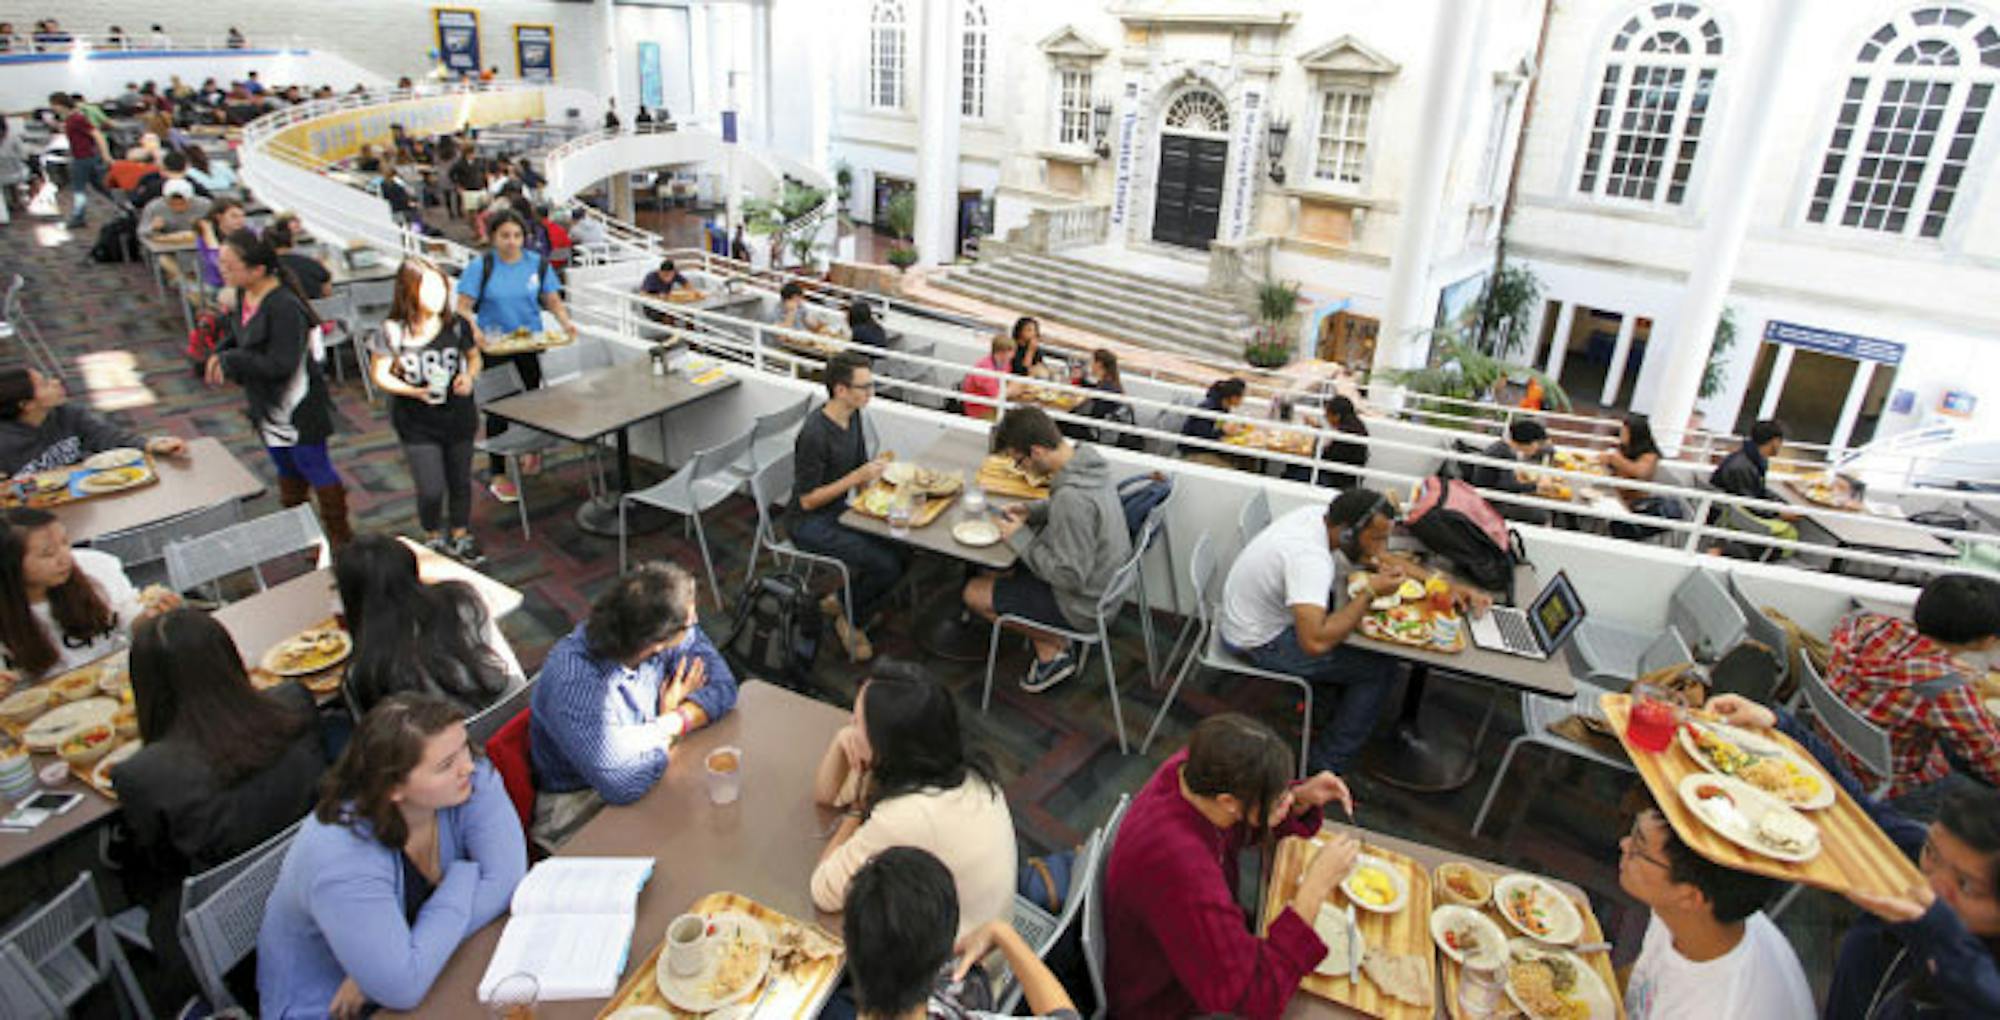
737 955
1759 761
113 479
309 652
1749 817
976 533
1537 909
48 732
1553 984
124 456
1462 931
1376 885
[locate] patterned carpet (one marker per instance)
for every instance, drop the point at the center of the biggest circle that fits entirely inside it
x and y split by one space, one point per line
1057 752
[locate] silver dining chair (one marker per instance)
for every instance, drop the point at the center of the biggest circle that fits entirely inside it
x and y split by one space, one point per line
772 486
44 969
1043 931
221 910
1253 517
202 560
495 383
701 484
1093 907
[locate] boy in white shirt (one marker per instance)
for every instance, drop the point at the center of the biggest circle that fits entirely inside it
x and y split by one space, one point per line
1709 951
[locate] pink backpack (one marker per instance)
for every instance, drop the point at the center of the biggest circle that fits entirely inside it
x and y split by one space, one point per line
1451 519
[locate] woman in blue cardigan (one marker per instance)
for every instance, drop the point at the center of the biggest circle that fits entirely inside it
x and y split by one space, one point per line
413 847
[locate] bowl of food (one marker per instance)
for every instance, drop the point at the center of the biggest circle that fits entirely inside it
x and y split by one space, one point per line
1463 884
82 748
73 686
1537 909
1464 933
24 707
1376 885
126 722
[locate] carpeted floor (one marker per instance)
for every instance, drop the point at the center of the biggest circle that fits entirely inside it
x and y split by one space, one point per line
1057 752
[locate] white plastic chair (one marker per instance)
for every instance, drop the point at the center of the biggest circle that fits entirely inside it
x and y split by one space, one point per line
43 970
701 484
1093 907
221 910
772 486
1253 518
194 562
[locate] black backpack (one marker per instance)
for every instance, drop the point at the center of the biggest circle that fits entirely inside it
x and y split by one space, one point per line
1139 494
117 241
774 635
1452 520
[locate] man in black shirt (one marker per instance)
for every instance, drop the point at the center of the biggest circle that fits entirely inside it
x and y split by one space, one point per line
829 461
1742 473
1526 442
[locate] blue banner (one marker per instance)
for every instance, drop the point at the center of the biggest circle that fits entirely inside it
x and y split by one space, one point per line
535 52
457 39
652 93
1826 341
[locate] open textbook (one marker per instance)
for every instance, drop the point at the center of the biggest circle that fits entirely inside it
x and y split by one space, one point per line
571 926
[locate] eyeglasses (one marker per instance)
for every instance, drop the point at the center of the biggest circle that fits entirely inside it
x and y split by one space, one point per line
1630 846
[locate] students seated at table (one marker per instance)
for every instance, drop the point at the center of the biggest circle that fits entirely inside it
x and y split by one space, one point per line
791 311
862 327
665 280
1344 420
1027 360
1916 679
175 212
502 290
225 217
981 386
1637 457
617 692
412 847
1933 950
1709 951
902 925
40 430
1100 373
902 772
61 607
173 167
224 767
1743 473
1526 442
125 174
213 175
1176 941
1069 545
831 458
402 206
435 639
1223 396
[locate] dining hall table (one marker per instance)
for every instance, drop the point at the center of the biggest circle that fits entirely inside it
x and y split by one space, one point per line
764 846
1858 527
208 475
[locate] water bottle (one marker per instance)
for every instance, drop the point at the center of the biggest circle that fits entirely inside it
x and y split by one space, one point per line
659 355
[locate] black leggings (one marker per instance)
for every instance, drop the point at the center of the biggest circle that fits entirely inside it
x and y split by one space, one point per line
530 367
441 470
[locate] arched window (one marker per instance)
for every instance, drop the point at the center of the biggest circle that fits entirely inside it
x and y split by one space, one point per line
885 55
972 61
1908 122
1652 103
1198 111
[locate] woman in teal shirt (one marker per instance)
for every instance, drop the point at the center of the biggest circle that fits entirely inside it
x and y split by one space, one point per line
501 291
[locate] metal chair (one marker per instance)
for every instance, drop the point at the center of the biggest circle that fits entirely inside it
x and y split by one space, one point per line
701 484
141 549
341 327
221 910
43 970
1708 619
485 722
772 436
1855 733
1108 606
1540 714
1762 630
1207 650
14 320
203 560
1155 530
1043 931
496 382
1093 907
771 486
1254 517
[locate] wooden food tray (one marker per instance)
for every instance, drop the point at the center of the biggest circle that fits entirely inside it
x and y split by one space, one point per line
1407 931
1382 616
1854 854
534 343
1804 491
1592 932
998 477
795 994
1298 444
933 505
68 494
1059 400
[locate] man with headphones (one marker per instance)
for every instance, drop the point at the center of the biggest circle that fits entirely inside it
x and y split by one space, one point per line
1285 608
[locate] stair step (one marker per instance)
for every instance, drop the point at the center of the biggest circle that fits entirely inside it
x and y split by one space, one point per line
1139 313
1224 345
1168 290
1116 297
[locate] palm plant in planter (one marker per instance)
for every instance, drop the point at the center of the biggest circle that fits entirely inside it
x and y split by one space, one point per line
902 212
1271 344
1459 369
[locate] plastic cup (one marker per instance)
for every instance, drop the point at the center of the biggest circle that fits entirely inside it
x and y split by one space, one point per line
1653 720
687 952
725 774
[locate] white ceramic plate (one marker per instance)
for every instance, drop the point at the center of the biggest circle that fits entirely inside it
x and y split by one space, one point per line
1492 940
1822 794
1396 879
1738 815
641 1013
114 458
100 773
976 533
1329 926
1564 924
48 732
692 994
1589 988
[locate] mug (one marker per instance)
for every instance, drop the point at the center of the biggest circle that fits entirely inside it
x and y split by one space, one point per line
687 945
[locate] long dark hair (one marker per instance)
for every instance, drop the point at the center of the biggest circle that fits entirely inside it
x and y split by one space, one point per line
1345 417
1106 360
1239 756
912 725
1638 437
385 748
17 387
188 681
258 252
76 605
213 217
409 635
197 158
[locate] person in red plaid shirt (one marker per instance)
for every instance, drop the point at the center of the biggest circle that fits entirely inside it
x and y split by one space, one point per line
1916 681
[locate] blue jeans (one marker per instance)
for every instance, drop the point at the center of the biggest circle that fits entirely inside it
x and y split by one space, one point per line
84 174
1358 679
874 564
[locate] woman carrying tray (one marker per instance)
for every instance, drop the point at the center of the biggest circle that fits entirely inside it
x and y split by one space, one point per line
427 361
503 290
40 431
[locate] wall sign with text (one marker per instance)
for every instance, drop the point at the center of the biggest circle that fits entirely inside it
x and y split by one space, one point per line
535 52
1826 341
652 90
457 38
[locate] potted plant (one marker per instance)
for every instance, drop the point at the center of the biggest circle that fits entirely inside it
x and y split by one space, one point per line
1270 343
1715 374
1462 371
1505 307
902 212
802 250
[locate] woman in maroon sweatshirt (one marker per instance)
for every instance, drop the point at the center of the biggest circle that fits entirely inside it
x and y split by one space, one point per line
1177 943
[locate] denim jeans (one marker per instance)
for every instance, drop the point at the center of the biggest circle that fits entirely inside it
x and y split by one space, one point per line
874 564
1358 679
84 174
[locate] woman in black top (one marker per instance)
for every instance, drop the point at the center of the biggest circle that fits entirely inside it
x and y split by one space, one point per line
224 767
268 351
1027 346
861 325
1224 396
427 361
1343 418
432 639
1102 375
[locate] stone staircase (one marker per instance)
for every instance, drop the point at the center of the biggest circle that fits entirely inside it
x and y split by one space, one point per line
1163 315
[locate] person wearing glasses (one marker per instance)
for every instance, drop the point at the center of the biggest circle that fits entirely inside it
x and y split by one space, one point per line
1934 949
831 459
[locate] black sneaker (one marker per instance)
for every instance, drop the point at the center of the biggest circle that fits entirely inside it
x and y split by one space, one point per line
1045 675
465 549
438 544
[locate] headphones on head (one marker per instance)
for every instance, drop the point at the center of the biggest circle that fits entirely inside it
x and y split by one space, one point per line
1350 533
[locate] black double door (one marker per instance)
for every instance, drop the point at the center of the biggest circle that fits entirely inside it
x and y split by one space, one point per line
1187 203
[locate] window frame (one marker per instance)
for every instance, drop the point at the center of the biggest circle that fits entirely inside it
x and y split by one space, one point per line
975 60
1063 112
887 21
1613 125
1325 94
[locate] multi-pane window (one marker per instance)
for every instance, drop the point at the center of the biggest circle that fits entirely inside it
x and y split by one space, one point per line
886 52
1651 105
1073 107
972 61
1909 117
1342 142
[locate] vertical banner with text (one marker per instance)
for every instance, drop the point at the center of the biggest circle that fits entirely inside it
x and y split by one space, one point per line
535 52
652 91
457 39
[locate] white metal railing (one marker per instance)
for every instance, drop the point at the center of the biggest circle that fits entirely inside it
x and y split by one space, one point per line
65 41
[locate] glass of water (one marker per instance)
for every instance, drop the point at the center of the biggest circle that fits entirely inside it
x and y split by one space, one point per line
900 512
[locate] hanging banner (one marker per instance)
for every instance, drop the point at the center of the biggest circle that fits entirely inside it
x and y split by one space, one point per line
1826 341
652 92
341 134
535 52
457 39
1242 187
1128 133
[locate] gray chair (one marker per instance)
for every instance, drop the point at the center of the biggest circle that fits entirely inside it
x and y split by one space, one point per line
1708 619
1853 732
1254 517
1043 931
342 328
772 486
902 366
495 383
1093 907
1108 606
1171 419
701 484
1207 650
45 972
1155 531
221 910
1540 714
1762 631
141 549
203 560
15 324
487 721
772 436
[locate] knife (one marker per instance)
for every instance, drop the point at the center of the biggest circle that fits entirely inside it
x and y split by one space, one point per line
1353 948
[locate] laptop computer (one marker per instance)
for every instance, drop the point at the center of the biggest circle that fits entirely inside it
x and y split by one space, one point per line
1540 630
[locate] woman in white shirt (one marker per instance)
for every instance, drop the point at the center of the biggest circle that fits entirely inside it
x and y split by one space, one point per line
902 772
60 607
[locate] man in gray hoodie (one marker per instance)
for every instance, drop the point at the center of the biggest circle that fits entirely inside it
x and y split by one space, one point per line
1070 544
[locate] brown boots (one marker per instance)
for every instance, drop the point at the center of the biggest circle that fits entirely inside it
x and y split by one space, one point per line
332 506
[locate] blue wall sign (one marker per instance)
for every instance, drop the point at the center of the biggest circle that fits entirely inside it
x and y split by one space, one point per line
1826 341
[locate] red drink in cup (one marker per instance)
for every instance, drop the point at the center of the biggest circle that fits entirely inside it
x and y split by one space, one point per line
1652 724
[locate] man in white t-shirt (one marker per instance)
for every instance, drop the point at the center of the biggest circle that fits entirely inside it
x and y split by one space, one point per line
1709 951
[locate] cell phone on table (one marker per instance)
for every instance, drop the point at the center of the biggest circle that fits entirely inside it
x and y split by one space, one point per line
38 809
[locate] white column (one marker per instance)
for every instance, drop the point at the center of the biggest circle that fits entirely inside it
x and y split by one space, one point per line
936 93
1774 383
608 61
1614 377
1739 164
760 69
700 75
1409 308
819 129
1850 409
1559 345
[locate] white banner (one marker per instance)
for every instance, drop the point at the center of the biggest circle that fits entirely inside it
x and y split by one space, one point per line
1128 132
1249 155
